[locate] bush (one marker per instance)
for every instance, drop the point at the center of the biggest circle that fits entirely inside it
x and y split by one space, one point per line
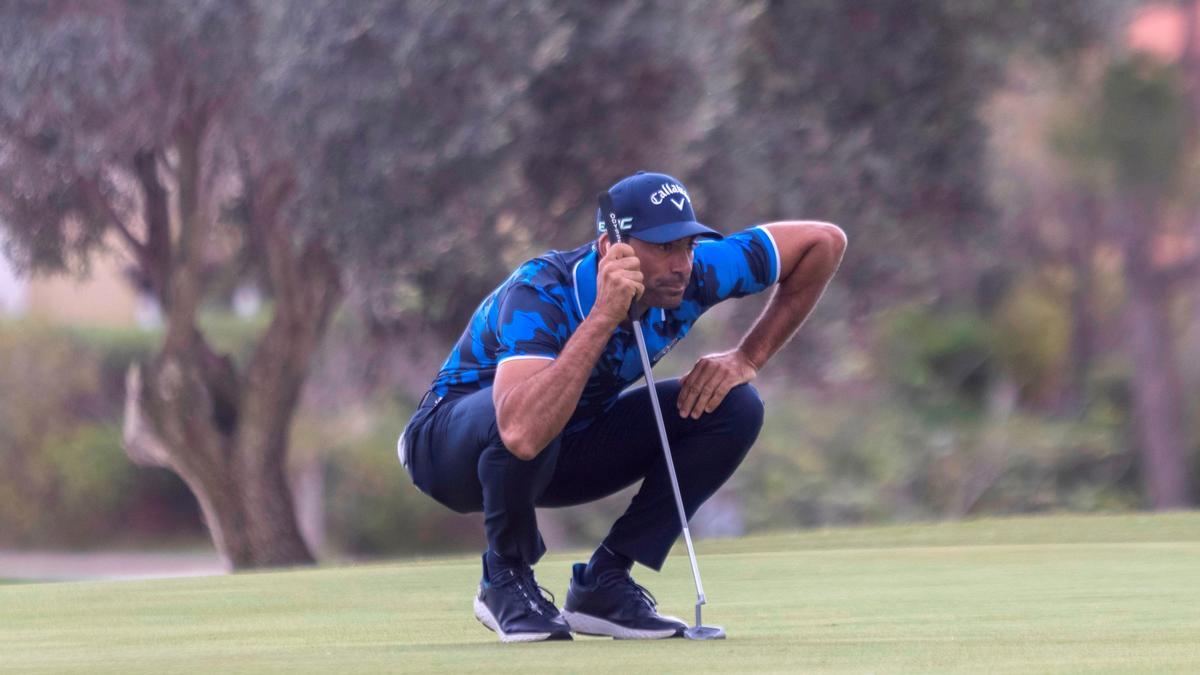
943 362
877 458
67 481
1032 332
374 509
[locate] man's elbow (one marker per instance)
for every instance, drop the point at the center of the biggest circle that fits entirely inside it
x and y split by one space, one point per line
816 243
515 442
834 239
829 247
524 452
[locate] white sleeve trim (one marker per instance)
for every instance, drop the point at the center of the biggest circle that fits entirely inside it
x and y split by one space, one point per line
775 250
525 356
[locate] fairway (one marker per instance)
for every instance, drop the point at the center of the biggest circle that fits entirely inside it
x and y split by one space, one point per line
1048 594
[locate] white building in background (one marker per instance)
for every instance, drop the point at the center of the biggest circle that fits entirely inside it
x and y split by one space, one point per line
102 297
12 289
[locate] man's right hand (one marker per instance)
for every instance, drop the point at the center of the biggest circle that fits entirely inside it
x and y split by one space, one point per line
618 283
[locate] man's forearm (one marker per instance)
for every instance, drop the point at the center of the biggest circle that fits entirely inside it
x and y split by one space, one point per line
540 407
792 302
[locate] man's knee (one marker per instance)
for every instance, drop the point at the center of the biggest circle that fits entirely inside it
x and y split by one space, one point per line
744 403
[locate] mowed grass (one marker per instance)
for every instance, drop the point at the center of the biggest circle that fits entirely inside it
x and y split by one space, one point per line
1047 594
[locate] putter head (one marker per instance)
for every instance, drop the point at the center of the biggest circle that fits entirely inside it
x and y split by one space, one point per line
704 633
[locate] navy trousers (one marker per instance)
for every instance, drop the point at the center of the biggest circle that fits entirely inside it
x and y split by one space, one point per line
453 452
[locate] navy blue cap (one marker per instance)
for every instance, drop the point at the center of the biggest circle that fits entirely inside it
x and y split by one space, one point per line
654 207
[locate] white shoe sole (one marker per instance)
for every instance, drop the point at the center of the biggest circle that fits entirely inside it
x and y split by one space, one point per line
591 625
485 617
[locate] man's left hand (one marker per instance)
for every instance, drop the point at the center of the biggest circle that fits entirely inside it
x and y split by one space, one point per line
707 383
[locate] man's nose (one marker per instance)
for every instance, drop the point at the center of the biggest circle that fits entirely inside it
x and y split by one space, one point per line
681 265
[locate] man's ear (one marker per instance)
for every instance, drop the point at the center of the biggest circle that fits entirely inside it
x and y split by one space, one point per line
602 245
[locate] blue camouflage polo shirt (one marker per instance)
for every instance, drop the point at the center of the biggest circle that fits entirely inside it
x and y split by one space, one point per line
538 307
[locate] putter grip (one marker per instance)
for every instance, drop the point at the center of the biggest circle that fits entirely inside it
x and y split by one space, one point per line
609 215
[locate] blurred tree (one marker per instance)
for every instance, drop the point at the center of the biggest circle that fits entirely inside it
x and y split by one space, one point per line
114 119
1143 118
66 481
611 89
301 135
634 85
1051 229
1139 147
867 113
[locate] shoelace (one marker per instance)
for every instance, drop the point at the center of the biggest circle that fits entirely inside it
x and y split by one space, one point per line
534 594
624 582
549 604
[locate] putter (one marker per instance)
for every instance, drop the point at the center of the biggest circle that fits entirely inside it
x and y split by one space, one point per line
699 631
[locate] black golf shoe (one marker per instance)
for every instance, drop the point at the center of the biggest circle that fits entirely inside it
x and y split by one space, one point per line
615 605
511 603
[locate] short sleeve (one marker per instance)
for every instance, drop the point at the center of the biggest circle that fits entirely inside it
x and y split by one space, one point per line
531 324
741 264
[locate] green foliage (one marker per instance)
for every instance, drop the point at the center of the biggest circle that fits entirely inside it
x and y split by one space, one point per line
867 114
940 361
434 144
1143 115
817 463
84 87
114 350
373 507
1130 136
67 481
94 480
1031 333
946 362
231 334
821 461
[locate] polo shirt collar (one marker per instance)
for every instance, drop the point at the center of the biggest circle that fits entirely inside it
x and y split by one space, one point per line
585 282
585 287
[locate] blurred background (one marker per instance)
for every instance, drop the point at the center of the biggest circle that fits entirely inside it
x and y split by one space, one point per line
240 238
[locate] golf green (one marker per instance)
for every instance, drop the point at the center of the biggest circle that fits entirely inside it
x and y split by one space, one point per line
1046 594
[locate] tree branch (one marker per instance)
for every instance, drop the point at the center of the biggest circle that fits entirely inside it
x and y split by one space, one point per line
142 443
307 289
156 214
99 201
186 283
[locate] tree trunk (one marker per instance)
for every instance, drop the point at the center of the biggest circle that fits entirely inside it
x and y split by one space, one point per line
249 516
234 464
1082 346
1081 215
1157 397
189 410
1157 393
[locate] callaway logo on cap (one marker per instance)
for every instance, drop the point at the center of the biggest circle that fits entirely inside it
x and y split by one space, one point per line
654 207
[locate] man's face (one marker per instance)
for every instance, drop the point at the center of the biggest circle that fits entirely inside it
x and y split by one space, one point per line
666 269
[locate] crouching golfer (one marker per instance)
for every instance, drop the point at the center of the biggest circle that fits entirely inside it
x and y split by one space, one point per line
530 410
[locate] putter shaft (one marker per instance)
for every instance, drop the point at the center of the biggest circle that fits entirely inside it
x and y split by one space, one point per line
666 447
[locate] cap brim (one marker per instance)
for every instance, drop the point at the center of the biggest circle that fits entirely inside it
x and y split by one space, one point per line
661 234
